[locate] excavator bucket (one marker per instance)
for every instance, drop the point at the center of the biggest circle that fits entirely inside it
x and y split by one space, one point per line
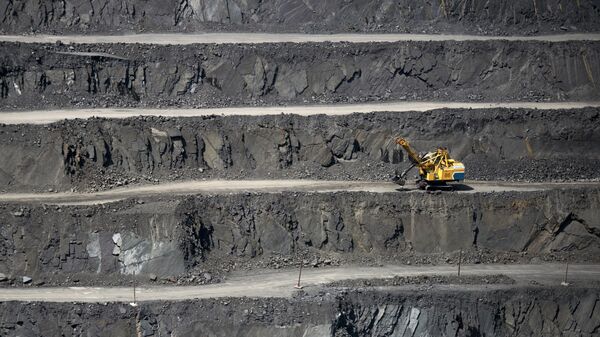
399 178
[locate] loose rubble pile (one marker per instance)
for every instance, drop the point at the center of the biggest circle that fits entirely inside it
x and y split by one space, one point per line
423 280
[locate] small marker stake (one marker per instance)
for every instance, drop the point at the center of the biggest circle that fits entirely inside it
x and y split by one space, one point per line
565 282
134 303
459 261
298 286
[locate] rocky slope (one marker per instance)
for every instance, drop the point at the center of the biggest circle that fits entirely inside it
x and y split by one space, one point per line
485 312
45 76
499 144
477 17
179 236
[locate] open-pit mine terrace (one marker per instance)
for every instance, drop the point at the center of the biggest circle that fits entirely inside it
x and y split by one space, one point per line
155 145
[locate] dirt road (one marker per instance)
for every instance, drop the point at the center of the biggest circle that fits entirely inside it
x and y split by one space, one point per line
266 186
280 284
247 38
50 116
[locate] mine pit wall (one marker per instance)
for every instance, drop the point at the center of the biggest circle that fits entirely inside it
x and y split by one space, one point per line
92 240
167 238
514 312
496 144
128 75
503 16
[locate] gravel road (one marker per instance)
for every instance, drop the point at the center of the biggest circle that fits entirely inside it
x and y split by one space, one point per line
50 116
249 38
280 284
268 186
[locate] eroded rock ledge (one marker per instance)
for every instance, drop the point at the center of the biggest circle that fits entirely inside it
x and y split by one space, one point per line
495 144
502 16
515 312
130 75
218 233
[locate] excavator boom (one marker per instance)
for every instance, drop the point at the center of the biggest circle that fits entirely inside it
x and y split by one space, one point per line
435 168
412 154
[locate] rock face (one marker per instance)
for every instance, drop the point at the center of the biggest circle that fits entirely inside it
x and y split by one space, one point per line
494 144
384 224
42 76
168 238
517 312
521 17
517 315
104 247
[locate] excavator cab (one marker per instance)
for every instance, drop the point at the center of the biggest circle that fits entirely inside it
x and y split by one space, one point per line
436 168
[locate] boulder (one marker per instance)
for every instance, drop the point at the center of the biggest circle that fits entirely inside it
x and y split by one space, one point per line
290 83
324 156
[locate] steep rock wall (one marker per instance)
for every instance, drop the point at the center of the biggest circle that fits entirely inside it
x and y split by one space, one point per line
82 240
533 313
521 17
167 238
391 223
494 144
44 76
515 312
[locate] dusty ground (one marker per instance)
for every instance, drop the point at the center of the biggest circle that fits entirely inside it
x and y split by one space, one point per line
281 284
52 116
251 38
212 187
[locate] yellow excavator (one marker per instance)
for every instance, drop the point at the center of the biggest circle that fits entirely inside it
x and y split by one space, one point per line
436 168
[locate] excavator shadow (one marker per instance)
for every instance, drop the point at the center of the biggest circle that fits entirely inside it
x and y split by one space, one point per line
403 189
449 188
462 187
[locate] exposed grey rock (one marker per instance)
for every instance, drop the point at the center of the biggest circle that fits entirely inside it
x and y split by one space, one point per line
347 313
26 279
117 239
3 277
323 156
290 83
289 146
146 327
324 330
498 17
116 251
228 75
139 255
